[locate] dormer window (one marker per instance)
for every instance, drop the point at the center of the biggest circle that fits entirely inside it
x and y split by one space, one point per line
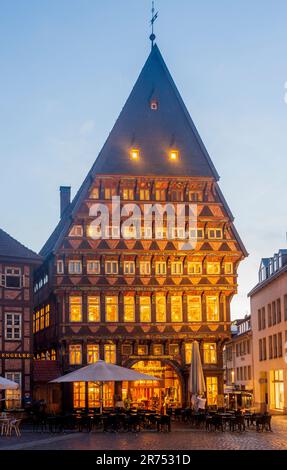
154 105
95 193
135 154
173 155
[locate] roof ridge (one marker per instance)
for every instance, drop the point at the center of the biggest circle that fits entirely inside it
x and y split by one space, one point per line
27 252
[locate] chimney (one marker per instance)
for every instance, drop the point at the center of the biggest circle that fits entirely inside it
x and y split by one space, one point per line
65 198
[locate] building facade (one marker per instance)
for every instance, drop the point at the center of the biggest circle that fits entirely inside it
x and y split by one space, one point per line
269 326
138 295
17 264
238 364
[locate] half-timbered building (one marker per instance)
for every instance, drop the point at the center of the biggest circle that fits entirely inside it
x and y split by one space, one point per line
140 301
17 264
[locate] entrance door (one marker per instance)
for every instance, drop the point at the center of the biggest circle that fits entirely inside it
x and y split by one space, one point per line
152 394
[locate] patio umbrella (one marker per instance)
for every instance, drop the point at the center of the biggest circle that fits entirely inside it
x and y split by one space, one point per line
196 377
102 371
6 384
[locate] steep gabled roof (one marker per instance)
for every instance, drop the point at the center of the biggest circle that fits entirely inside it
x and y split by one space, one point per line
11 248
155 132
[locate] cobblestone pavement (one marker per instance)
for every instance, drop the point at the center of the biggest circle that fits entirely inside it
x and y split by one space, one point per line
181 438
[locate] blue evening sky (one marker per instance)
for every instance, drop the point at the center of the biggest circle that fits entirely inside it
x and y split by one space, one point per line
67 67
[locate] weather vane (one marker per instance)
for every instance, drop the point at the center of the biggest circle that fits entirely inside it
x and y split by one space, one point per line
153 19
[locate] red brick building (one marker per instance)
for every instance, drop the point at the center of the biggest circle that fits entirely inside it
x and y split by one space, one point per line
17 264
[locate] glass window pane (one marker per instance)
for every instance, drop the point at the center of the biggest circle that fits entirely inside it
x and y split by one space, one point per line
212 308
176 308
193 308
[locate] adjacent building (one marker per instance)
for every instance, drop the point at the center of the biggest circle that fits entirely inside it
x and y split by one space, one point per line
238 361
137 296
17 264
269 327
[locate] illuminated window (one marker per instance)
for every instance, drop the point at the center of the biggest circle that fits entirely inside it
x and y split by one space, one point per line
93 395
75 267
129 232
76 231
13 397
94 231
160 232
111 267
188 352
194 267
209 353
95 193
112 231
157 349
145 268
213 268
196 234
144 195
112 309
176 267
160 194
178 232
173 349
37 321
93 353
160 308
93 267
160 268
212 390
228 268
60 267
212 308
75 354
79 394
135 154
75 308
110 353
146 232
129 308
173 155
53 355
215 233
142 350
47 316
145 309
109 193
128 194
94 309
129 267
42 318
13 323
176 308
193 308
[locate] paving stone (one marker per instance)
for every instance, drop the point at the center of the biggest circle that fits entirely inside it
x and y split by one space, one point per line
181 438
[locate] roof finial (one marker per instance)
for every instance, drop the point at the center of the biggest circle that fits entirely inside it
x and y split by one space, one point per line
153 19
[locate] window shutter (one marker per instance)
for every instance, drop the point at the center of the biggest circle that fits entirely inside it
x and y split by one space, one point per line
23 281
2 280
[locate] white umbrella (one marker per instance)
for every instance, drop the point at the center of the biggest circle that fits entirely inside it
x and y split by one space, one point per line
196 376
6 384
102 371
